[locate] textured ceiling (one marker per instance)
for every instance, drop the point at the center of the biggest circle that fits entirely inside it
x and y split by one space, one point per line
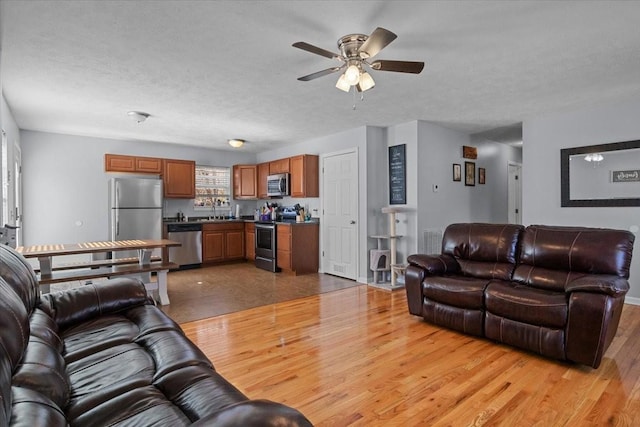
209 71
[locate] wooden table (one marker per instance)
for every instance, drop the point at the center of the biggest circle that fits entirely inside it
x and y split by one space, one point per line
143 264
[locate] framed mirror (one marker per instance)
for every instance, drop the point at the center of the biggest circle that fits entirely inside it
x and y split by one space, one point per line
601 175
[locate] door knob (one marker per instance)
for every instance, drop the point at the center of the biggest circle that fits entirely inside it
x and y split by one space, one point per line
352 222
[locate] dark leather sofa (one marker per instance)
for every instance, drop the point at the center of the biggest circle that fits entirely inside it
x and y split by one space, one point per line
104 355
555 291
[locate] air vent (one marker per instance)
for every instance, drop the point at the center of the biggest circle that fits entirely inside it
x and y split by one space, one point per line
339 268
432 241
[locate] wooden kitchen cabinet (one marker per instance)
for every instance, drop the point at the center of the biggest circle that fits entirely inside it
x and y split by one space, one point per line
297 248
263 173
222 242
279 166
250 240
234 244
179 178
305 181
245 181
213 246
283 246
132 164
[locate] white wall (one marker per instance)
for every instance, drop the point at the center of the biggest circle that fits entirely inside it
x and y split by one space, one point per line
544 137
65 186
9 126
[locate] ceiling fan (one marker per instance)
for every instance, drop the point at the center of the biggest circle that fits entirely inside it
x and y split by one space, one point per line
356 52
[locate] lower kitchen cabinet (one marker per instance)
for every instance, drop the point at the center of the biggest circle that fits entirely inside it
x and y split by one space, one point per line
250 240
213 246
222 242
298 248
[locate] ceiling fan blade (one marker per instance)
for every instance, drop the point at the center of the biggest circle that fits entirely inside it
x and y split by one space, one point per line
377 41
319 74
314 49
398 66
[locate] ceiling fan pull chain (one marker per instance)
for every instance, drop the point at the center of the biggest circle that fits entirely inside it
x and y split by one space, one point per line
354 97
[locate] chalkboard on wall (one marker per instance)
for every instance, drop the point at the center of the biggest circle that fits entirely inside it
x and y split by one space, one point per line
397 175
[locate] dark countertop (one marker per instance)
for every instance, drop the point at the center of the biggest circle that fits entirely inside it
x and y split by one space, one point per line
206 220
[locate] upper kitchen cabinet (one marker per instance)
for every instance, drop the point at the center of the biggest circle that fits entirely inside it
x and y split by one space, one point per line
263 173
279 166
179 178
245 182
305 181
123 163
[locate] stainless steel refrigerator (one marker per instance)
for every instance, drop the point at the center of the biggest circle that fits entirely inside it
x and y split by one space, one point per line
135 210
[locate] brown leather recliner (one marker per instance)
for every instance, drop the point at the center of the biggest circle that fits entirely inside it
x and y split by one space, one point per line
556 291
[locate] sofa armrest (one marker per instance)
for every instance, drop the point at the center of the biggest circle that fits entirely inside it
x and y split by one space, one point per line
435 264
593 321
604 284
256 413
86 302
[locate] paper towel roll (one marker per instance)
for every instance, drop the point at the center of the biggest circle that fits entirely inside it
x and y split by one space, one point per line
237 211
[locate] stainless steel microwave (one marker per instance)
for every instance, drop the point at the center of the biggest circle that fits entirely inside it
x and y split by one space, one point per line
278 185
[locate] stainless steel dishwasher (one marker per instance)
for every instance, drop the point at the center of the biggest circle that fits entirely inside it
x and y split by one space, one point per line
189 255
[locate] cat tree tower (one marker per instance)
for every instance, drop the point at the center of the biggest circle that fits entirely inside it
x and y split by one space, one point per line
391 265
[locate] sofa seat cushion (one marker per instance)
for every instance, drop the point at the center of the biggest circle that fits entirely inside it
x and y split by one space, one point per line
457 291
110 330
526 304
31 408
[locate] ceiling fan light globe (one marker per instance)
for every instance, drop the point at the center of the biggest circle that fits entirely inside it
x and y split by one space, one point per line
342 84
352 75
366 82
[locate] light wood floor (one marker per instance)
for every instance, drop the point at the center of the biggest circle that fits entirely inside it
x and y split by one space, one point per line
357 357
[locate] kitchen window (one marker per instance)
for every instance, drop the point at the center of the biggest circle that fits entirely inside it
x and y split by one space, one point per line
213 186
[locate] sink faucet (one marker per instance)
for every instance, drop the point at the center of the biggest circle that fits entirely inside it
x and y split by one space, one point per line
213 207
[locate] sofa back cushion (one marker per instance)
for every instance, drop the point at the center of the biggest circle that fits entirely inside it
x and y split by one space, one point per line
14 336
18 274
552 256
483 250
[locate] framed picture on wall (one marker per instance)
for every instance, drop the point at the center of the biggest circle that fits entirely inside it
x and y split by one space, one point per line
481 173
397 175
469 173
457 172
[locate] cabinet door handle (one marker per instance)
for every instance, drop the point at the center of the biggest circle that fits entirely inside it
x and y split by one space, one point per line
352 222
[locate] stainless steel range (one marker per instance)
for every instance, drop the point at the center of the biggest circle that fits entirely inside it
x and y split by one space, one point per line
266 246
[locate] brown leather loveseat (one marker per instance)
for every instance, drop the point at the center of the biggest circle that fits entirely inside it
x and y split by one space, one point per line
105 355
556 291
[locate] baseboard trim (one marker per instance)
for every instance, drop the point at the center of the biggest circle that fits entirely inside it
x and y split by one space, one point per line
632 300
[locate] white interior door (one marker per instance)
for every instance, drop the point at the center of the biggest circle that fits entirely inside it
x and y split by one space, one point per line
515 193
340 214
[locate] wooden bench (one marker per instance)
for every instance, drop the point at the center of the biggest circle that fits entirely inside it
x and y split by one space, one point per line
120 269
97 263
